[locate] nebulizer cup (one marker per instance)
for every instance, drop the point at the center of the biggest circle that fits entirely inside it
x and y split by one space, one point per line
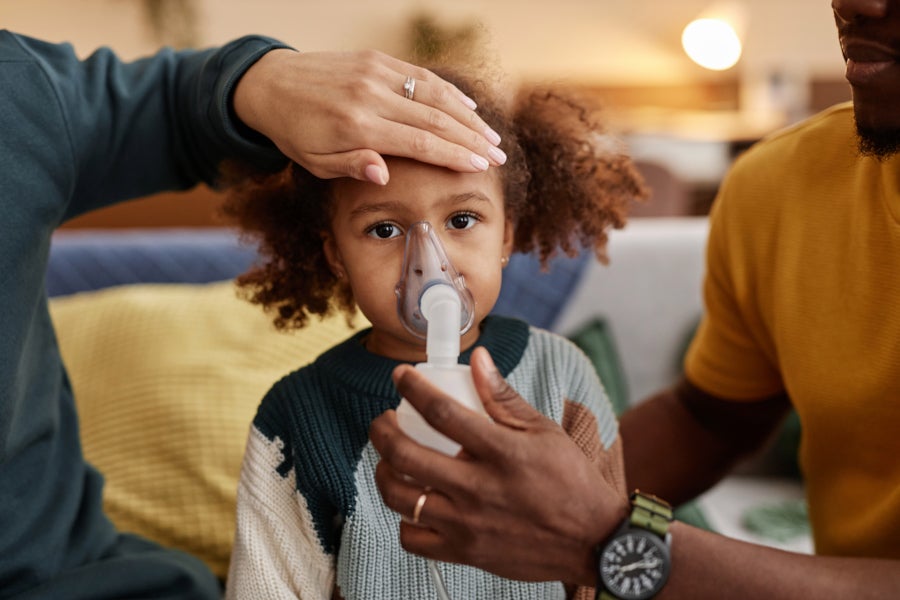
434 304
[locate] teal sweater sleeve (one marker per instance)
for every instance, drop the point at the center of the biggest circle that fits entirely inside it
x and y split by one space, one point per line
105 130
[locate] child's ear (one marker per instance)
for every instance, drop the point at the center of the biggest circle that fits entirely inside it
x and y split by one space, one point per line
332 254
508 231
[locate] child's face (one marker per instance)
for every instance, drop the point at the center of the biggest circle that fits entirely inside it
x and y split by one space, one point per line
368 234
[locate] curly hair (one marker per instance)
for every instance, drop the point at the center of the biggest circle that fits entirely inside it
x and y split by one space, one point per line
565 183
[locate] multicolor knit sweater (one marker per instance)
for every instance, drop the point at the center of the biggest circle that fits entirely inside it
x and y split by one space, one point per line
310 521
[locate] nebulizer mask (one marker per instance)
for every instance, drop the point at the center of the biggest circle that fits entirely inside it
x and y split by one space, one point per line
434 304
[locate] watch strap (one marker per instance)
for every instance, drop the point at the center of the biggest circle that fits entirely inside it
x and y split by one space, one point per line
651 513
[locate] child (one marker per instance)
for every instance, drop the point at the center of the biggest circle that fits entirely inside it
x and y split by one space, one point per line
310 521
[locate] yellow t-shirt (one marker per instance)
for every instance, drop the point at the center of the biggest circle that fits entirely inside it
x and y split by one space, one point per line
803 294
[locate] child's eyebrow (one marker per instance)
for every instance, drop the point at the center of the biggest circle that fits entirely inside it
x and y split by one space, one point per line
376 207
394 206
460 198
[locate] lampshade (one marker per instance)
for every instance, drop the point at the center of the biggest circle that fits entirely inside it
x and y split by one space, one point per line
714 39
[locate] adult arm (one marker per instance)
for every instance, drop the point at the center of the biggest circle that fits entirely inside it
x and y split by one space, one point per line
100 130
116 130
522 501
682 441
336 113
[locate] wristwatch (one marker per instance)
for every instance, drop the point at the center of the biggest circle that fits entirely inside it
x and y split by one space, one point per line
634 563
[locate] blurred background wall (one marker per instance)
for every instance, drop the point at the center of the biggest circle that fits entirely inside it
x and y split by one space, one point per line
677 116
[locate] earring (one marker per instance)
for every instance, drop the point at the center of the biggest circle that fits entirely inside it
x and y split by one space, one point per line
504 260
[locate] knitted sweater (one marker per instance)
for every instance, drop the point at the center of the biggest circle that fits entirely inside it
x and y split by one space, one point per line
77 135
311 523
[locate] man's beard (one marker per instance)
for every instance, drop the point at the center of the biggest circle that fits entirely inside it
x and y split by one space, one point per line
878 143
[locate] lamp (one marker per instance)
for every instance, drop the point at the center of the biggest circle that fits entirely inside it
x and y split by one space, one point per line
713 39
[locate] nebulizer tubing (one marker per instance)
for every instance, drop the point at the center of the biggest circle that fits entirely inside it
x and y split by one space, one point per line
437 580
434 304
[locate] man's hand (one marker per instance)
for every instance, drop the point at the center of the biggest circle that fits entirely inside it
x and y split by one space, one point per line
521 500
335 113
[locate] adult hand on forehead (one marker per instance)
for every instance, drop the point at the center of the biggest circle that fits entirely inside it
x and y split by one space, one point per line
522 500
336 113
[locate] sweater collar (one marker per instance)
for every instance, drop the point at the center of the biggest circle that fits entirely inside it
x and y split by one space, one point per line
370 373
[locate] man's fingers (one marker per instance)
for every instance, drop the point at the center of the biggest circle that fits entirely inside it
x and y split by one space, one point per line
399 493
424 541
500 400
471 430
415 465
402 496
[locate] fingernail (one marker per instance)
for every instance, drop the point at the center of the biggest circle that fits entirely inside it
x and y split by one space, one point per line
376 174
468 101
497 154
492 136
480 162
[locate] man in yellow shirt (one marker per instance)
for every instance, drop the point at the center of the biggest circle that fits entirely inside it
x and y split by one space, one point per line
802 298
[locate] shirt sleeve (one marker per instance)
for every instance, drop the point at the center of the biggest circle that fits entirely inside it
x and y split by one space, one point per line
731 355
122 130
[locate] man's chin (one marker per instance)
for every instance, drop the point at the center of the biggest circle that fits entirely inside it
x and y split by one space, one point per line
881 143
877 121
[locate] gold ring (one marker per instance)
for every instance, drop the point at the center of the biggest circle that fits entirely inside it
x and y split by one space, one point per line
420 503
409 88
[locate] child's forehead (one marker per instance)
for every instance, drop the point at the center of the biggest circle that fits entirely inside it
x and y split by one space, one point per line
414 183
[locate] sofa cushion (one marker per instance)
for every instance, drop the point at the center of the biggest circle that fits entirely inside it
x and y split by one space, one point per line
167 379
81 261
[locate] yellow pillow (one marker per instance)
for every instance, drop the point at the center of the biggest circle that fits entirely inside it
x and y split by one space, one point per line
167 379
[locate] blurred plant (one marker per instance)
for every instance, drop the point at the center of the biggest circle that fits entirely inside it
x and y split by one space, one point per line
173 22
432 42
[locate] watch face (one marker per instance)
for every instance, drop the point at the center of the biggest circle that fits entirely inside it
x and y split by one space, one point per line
634 565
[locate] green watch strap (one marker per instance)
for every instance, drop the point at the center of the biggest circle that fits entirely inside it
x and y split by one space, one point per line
651 513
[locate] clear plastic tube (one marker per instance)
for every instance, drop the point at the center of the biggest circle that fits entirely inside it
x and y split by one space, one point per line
437 580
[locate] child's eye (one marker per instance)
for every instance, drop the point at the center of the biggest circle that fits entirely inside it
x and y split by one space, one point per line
462 221
383 231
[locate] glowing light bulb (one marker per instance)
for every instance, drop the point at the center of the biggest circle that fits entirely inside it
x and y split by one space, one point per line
712 43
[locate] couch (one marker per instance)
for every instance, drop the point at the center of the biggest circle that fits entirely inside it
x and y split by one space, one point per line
168 364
